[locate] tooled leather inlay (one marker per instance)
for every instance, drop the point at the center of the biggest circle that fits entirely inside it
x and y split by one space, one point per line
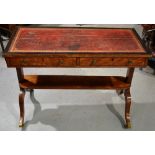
75 40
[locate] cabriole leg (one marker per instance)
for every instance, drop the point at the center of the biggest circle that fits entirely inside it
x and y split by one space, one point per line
127 108
21 106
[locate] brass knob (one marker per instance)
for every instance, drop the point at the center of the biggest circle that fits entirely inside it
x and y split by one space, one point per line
24 62
93 62
61 62
129 62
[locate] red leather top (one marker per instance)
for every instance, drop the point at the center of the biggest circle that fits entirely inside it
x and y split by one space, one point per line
76 40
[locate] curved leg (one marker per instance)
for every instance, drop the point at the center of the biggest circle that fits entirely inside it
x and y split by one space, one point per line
127 108
21 106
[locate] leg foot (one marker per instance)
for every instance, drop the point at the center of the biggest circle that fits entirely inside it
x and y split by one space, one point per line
21 106
21 122
127 108
128 125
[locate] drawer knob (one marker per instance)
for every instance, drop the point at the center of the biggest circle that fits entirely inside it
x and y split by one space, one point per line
93 62
129 62
61 62
24 62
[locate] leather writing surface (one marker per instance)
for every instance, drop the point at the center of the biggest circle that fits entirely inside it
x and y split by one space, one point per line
76 40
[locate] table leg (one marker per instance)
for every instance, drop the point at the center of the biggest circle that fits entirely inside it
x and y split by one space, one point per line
127 108
21 106
127 95
129 75
20 75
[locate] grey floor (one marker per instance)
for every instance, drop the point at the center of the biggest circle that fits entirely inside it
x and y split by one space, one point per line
77 110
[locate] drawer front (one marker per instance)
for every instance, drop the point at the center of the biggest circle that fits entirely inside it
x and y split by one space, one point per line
138 62
41 62
112 62
95 62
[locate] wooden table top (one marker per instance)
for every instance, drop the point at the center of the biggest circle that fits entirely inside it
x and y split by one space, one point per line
75 40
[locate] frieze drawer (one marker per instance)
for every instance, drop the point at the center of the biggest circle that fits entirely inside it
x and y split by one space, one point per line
41 62
119 62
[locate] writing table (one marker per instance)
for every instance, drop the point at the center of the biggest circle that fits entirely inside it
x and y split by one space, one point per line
75 47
